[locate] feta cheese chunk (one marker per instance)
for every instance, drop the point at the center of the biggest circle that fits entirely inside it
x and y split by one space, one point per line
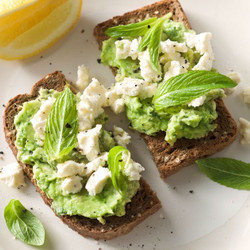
90 105
40 118
88 142
147 71
175 69
83 78
12 175
115 101
118 106
169 46
235 76
246 95
135 87
244 131
133 169
96 163
97 181
202 44
197 102
205 62
121 136
126 48
71 185
70 168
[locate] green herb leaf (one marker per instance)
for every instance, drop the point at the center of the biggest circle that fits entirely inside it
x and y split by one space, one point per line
152 40
226 171
23 224
146 40
154 44
117 164
132 30
188 86
62 126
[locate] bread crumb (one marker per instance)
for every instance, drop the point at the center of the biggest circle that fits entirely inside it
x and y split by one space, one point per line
177 160
166 158
161 216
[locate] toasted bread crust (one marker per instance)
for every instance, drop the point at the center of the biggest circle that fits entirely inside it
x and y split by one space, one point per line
170 159
143 204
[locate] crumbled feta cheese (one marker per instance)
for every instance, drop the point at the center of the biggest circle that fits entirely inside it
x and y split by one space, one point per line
246 95
169 46
111 96
121 136
39 119
97 181
205 62
118 106
135 87
88 142
12 175
115 101
244 131
235 76
202 44
197 102
174 69
133 169
147 71
71 185
96 163
126 48
83 78
90 106
70 168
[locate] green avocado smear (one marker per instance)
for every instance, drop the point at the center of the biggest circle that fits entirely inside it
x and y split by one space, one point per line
187 121
30 151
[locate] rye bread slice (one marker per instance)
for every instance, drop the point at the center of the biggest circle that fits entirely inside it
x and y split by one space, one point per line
170 159
143 204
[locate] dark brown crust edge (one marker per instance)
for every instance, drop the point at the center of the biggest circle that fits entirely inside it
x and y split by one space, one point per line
170 159
143 204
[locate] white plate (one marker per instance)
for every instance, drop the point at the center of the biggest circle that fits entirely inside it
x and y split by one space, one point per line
213 216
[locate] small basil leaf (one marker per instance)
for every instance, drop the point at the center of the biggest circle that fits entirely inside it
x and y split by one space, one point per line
226 171
132 30
62 126
116 166
185 87
23 224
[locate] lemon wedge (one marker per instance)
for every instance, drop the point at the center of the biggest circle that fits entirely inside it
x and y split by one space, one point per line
27 27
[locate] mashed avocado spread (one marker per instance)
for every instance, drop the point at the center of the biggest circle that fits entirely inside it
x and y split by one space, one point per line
181 50
31 151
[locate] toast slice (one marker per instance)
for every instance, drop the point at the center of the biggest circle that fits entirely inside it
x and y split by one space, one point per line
143 204
169 159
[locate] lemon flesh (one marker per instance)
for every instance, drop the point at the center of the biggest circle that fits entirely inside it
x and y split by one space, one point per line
33 27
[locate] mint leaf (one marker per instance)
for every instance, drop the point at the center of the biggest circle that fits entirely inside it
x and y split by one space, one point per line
116 166
61 126
154 44
132 30
226 171
183 88
146 40
23 224
152 40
